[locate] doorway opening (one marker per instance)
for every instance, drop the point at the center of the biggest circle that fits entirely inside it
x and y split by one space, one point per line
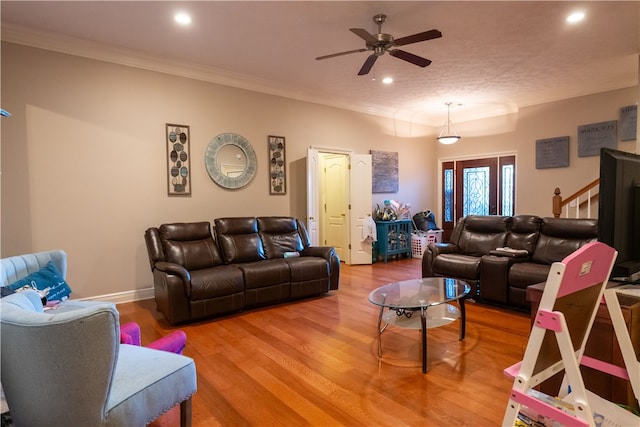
338 206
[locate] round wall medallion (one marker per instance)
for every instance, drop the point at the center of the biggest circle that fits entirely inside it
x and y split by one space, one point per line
230 160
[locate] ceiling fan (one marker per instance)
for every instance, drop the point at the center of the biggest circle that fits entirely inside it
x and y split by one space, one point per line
381 43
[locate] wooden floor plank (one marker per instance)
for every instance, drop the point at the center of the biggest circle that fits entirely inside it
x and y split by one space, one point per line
314 362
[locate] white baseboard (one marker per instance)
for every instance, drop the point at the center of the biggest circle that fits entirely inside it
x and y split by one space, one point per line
122 297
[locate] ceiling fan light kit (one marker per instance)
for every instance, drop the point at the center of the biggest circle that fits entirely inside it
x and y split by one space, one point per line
381 43
446 135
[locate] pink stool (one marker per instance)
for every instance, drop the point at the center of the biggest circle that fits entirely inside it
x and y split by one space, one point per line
173 342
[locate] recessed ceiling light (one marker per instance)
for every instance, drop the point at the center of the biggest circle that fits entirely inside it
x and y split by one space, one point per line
387 80
575 17
182 18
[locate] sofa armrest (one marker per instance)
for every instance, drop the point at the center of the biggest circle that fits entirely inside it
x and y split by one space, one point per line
443 248
319 251
172 268
494 278
329 253
494 275
432 251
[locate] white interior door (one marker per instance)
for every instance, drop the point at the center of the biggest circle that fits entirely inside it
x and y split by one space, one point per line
313 188
361 201
334 228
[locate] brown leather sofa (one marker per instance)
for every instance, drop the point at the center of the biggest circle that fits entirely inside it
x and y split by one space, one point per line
502 277
245 262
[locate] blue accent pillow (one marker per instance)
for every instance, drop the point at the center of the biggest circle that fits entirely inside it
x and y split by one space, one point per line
47 277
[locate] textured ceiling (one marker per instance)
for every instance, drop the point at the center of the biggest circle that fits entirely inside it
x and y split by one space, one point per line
493 58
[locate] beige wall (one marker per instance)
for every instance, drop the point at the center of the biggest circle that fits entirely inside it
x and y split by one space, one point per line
84 163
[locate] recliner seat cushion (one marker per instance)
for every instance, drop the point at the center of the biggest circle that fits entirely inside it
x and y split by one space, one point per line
524 274
308 268
265 273
457 265
216 282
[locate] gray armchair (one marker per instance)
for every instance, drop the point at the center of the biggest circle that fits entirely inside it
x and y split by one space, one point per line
67 367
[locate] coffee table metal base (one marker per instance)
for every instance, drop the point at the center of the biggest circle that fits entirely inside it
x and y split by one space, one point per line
438 315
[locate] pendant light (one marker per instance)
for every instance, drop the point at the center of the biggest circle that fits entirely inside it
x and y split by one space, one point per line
450 136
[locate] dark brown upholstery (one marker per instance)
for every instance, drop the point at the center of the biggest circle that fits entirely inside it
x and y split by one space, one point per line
199 273
189 245
558 238
190 279
239 239
481 234
475 236
279 235
503 279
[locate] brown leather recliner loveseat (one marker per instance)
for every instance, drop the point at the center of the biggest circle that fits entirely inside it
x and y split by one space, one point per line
245 262
502 276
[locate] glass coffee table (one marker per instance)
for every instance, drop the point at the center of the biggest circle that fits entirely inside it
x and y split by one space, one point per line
428 298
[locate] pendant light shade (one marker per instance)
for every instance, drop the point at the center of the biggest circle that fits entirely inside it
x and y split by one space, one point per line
448 134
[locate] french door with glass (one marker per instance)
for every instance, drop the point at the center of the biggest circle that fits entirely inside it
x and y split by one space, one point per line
477 187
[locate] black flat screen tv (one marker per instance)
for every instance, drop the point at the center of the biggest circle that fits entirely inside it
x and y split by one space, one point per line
619 210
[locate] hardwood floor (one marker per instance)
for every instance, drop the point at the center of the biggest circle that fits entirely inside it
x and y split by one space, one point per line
314 362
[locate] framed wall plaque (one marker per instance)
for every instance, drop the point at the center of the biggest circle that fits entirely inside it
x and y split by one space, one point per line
593 137
178 160
277 165
552 152
628 122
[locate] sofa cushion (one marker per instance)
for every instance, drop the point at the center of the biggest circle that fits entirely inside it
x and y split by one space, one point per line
457 265
190 245
279 235
481 234
308 268
524 274
560 237
523 233
239 239
216 282
265 273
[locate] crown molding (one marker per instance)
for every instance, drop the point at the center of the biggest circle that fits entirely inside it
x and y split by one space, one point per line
132 58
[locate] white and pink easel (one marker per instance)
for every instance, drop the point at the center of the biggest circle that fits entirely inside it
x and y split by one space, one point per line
573 291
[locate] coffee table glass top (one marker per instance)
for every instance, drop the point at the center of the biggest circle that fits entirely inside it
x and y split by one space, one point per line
419 293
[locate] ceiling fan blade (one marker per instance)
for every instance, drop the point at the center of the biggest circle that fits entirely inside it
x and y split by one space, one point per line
420 37
410 57
340 54
364 34
368 64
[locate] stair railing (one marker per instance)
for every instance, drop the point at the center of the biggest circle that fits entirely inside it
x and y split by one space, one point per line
584 199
